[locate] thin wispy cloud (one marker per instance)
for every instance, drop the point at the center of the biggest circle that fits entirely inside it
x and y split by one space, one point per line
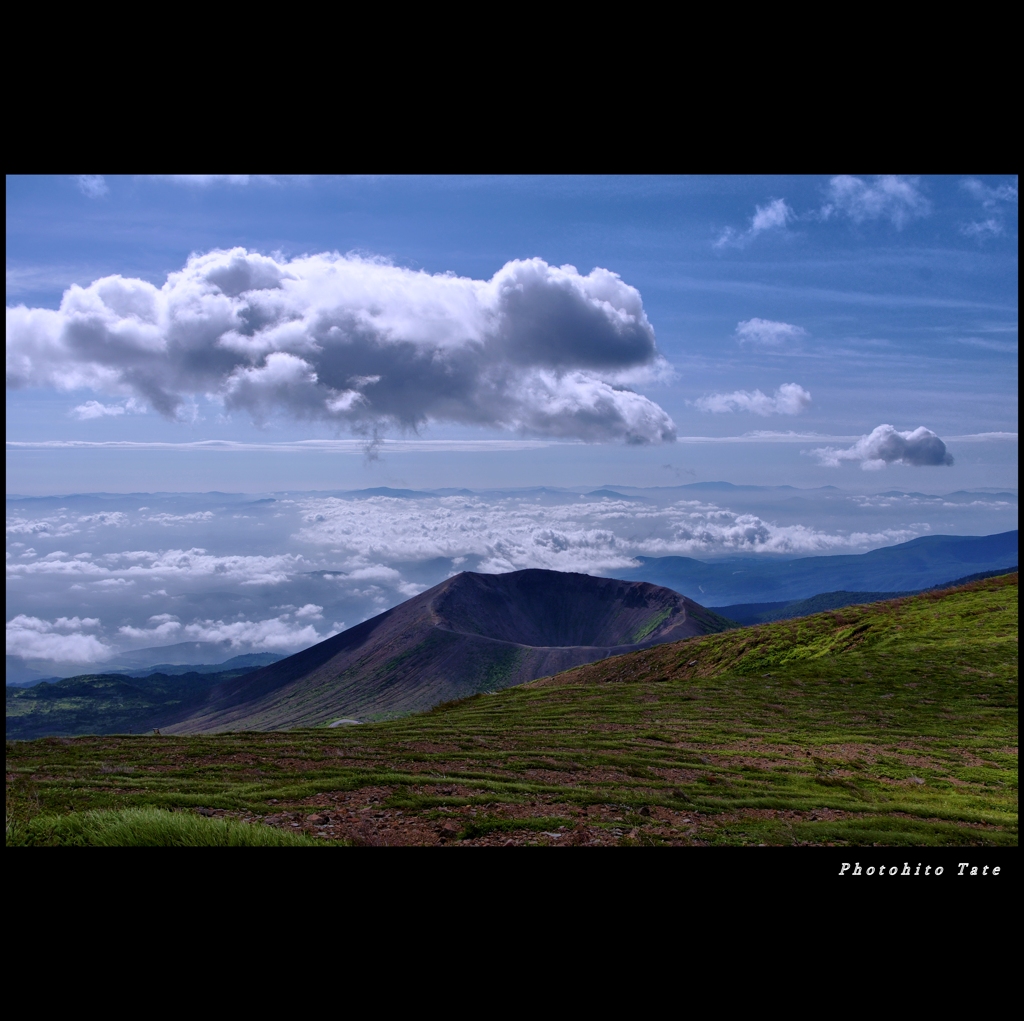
775 215
983 228
996 201
230 180
92 185
359 343
788 399
991 197
888 197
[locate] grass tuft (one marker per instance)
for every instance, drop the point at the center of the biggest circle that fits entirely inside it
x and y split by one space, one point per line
145 827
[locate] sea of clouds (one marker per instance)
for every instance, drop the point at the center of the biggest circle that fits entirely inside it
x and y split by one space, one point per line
91 578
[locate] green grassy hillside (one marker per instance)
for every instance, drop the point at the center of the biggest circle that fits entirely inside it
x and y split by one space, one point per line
891 723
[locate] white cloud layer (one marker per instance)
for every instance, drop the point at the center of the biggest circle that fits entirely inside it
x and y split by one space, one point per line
585 535
63 524
152 568
57 641
274 635
889 197
887 445
766 333
789 399
357 342
62 640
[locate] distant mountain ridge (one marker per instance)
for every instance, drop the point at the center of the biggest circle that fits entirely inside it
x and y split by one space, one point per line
747 614
182 658
906 567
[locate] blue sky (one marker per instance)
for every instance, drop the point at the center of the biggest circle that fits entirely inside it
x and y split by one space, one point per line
256 335
902 302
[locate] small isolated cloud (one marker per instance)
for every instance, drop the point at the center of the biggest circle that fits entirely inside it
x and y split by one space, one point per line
773 216
788 399
888 197
94 409
766 333
59 641
886 445
357 342
93 185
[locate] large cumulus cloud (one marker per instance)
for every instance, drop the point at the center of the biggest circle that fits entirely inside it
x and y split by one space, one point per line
887 445
358 342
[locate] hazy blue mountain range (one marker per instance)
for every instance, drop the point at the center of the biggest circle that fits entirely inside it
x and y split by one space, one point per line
907 567
183 658
746 614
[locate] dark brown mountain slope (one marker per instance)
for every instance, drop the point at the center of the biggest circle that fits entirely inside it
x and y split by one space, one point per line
473 632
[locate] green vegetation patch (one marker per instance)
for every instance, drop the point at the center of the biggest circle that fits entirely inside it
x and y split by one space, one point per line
649 625
146 827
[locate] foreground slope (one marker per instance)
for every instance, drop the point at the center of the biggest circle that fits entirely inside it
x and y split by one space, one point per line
887 724
471 633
